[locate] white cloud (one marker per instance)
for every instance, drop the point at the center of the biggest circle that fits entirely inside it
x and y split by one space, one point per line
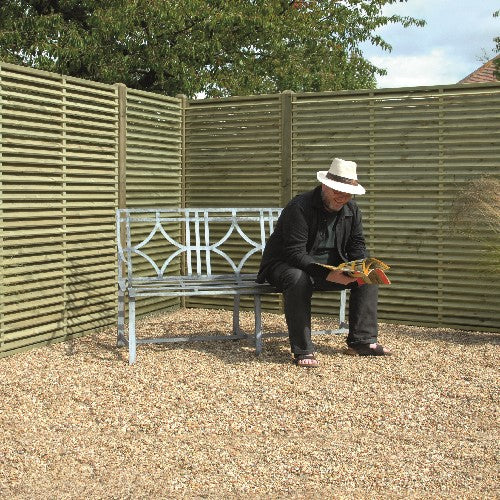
436 67
458 35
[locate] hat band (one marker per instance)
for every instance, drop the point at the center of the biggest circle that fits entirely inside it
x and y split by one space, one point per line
344 180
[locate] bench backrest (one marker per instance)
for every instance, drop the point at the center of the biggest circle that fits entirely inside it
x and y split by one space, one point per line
156 242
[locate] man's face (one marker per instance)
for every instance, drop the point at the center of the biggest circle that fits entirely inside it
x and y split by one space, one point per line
334 200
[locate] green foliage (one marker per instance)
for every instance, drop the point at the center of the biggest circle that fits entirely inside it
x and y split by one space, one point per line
219 47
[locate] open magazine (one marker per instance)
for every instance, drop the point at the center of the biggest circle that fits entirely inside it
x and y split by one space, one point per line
368 271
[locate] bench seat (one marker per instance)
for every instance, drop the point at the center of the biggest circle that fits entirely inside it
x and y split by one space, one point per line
183 286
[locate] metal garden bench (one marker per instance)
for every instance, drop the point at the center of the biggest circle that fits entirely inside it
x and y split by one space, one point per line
191 252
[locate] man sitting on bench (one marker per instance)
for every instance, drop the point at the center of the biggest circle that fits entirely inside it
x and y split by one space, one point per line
322 226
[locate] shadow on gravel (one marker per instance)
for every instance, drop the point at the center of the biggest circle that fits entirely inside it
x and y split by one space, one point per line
276 348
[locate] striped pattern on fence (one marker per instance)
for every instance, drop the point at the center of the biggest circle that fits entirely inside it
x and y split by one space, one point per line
233 159
72 150
58 188
154 170
416 148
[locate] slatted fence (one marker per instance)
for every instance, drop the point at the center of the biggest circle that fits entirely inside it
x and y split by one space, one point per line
416 148
58 186
233 159
153 168
71 151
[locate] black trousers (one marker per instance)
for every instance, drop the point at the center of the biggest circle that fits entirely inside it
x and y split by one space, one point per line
297 288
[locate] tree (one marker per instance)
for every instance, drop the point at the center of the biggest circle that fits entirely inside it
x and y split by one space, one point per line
219 47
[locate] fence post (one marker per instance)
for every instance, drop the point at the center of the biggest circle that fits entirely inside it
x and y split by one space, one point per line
183 105
64 159
122 145
122 165
286 186
370 231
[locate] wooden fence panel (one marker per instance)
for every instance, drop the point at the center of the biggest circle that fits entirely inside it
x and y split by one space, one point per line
154 169
233 159
58 191
469 297
415 149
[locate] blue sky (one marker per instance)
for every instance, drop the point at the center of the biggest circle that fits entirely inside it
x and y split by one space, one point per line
458 34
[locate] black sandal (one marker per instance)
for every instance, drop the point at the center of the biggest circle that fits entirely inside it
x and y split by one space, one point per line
366 350
300 357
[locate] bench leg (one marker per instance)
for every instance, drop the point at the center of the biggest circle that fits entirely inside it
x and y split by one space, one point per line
258 324
131 331
236 315
343 300
121 341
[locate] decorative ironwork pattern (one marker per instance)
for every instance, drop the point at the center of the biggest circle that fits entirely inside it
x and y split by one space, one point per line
197 247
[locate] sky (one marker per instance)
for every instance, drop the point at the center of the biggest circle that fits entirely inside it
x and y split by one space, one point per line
454 43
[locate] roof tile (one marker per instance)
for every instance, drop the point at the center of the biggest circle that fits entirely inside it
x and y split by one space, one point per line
486 73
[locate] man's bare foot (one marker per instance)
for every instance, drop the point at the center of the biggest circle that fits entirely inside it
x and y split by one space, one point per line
368 350
307 360
387 351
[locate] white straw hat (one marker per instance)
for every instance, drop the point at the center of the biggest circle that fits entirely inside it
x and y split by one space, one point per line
341 177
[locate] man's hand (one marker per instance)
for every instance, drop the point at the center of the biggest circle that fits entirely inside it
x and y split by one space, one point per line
339 277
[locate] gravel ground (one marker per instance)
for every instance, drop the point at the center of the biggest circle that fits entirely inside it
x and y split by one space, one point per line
210 420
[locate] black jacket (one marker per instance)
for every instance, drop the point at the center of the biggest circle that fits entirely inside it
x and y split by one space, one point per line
299 230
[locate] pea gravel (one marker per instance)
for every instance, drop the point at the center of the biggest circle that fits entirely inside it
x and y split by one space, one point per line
211 420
